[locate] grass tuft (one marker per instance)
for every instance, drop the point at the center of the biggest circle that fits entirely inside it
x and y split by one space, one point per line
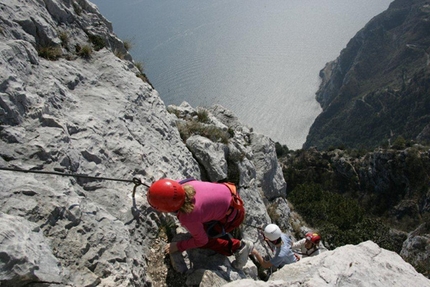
84 51
50 53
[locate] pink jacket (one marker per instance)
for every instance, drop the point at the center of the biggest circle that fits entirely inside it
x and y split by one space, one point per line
212 202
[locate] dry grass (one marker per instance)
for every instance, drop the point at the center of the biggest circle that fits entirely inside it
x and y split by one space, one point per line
50 53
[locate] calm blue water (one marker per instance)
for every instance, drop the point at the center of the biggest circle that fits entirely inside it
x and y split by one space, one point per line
260 59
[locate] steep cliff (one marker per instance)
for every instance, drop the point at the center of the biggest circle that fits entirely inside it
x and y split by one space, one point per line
71 103
379 87
346 193
78 122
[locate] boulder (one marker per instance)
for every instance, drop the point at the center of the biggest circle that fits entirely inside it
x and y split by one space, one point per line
365 264
211 155
269 172
416 248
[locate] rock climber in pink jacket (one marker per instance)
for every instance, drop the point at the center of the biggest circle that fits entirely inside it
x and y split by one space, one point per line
209 211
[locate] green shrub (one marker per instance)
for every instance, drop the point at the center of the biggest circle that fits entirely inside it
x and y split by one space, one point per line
50 53
84 51
305 168
341 220
128 45
385 144
141 74
64 37
273 213
203 116
139 66
97 41
167 228
281 150
399 143
119 54
417 169
144 78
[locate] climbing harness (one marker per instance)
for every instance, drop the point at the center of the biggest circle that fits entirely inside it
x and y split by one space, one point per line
235 213
217 228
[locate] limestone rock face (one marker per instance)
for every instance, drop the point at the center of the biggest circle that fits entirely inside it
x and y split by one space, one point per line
26 254
416 248
351 265
269 173
77 115
210 155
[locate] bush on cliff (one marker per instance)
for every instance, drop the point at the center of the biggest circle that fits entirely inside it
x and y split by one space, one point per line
340 220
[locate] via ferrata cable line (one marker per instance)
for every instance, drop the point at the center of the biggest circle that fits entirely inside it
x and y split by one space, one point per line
137 182
134 180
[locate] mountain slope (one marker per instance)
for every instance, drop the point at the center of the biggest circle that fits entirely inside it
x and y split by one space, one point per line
379 86
73 102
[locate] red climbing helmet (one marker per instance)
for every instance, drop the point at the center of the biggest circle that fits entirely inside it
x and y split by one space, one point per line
314 237
166 195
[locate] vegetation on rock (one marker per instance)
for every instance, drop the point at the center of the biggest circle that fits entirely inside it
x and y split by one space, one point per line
354 195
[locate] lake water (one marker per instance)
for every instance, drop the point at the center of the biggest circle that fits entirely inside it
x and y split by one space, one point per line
260 59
